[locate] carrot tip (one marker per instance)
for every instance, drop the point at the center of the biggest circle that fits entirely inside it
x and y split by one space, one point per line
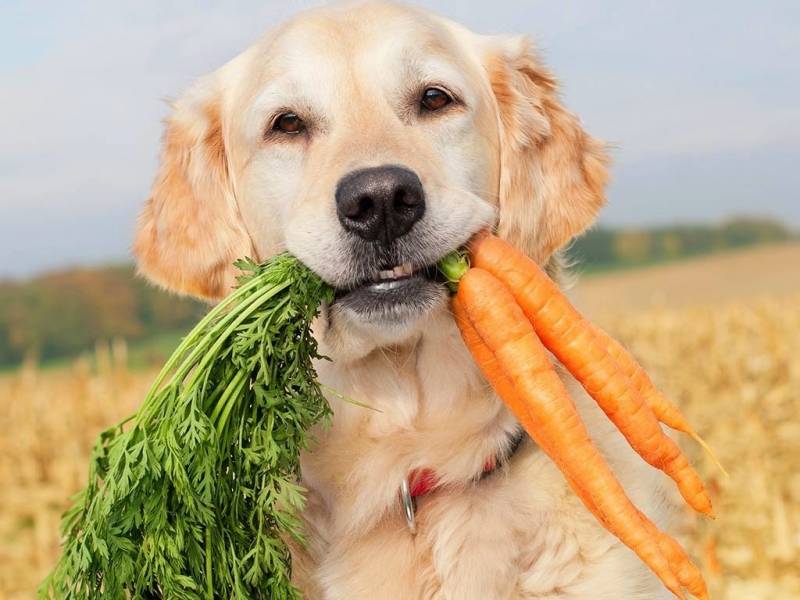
706 508
709 451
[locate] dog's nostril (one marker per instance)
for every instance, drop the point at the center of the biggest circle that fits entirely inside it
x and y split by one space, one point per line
365 205
358 210
403 200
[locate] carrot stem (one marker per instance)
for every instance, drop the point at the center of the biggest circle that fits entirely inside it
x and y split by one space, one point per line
454 266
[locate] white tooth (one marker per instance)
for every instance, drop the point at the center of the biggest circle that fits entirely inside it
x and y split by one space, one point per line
403 270
386 274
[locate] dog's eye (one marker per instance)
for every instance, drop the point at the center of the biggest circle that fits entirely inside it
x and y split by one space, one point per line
435 99
289 123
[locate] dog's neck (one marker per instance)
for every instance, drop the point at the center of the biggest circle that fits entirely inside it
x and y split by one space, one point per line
418 404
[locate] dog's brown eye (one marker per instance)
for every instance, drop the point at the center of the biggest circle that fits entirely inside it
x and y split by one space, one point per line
435 99
289 123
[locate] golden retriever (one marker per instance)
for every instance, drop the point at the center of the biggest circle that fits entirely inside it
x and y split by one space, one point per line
370 140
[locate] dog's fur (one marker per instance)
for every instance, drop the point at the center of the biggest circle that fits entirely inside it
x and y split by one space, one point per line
507 154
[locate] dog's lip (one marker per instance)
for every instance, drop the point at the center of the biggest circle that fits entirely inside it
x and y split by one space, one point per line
392 300
392 278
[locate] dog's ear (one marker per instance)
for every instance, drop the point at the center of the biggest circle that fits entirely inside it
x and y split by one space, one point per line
552 173
190 230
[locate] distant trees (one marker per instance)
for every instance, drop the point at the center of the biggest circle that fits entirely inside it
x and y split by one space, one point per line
606 248
66 312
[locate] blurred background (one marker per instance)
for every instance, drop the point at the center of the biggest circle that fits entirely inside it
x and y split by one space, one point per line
695 264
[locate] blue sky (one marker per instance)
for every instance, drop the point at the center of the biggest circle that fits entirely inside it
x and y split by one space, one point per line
701 99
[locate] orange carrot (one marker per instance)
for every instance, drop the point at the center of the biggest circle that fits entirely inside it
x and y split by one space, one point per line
490 368
664 410
540 401
687 573
568 335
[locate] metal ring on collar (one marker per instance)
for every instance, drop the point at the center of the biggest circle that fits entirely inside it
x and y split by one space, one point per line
409 506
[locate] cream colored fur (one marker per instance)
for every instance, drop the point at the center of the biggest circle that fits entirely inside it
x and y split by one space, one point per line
510 155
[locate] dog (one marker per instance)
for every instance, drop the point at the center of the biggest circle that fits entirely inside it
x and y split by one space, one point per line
370 140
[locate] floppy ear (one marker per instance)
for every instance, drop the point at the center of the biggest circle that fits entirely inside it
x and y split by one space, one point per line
190 230
552 173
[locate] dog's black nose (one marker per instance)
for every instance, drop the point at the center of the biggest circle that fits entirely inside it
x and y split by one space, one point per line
380 203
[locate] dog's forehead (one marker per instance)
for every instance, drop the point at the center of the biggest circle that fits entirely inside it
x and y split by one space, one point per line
346 30
328 62
374 42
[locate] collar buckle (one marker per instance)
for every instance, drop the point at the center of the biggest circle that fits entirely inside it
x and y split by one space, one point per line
409 505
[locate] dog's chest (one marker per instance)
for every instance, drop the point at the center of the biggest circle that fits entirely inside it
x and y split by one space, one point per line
518 534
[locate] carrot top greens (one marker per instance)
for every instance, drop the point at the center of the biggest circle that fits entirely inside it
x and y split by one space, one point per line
194 495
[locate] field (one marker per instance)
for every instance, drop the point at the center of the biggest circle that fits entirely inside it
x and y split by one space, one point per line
720 334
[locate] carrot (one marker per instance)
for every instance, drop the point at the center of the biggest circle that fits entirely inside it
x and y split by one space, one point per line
568 335
537 396
490 368
664 410
687 573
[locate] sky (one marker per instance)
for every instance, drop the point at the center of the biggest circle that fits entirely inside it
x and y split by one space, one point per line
700 99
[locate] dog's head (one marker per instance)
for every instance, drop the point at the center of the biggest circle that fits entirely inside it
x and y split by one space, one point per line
369 141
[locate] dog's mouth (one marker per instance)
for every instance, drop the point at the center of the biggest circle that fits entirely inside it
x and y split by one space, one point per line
394 292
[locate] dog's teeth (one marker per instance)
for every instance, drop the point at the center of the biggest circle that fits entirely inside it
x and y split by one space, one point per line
403 270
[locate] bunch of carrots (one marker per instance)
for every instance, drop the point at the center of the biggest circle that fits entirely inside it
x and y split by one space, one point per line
510 313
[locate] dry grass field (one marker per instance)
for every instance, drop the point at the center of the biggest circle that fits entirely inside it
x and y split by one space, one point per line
720 334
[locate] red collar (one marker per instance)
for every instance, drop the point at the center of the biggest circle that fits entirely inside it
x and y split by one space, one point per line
424 480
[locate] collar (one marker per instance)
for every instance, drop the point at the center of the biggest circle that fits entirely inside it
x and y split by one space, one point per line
420 482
